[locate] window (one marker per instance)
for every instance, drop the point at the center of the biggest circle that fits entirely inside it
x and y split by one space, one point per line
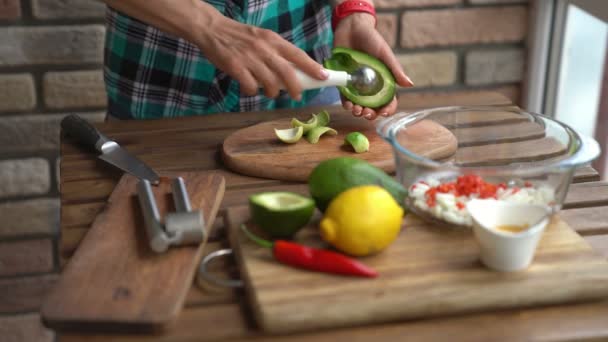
567 64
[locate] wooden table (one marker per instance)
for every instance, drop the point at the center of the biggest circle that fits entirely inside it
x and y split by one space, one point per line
193 144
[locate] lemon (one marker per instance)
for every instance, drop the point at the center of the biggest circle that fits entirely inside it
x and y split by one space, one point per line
362 220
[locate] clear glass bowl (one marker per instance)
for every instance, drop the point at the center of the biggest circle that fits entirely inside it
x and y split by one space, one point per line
498 152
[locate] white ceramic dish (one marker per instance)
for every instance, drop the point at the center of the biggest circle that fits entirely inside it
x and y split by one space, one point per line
503 250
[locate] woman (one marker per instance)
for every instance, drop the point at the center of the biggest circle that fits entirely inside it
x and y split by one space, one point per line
169 58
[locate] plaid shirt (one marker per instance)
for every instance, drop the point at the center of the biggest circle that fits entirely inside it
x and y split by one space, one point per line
150 74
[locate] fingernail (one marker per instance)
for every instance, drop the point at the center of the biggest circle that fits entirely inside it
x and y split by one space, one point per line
357 112
368 116
324 73
409 80
384 114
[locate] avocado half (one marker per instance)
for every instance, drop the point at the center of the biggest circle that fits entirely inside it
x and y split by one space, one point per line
345 59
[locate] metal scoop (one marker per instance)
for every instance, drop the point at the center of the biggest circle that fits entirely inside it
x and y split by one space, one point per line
364 80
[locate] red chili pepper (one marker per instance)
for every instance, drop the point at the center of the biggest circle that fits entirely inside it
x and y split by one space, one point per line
431 197
314 259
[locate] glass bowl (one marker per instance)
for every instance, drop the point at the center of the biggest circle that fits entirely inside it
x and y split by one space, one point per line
449 155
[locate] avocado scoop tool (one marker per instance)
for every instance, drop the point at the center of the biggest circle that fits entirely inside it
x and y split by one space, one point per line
364 80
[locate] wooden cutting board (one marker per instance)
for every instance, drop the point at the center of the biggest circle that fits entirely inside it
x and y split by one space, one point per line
256 151
115 281
428 271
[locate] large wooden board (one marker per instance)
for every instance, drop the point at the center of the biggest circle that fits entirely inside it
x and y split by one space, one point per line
256 151
115 281
428 271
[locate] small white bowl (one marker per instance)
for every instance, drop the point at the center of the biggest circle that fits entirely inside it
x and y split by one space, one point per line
503 250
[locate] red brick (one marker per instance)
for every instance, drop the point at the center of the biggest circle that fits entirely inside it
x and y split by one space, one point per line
24 294
387 26
10 9
463 26
24 328
23 257
380 4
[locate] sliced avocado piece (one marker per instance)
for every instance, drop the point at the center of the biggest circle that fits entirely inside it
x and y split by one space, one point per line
345 59
315 133
308 125
358 141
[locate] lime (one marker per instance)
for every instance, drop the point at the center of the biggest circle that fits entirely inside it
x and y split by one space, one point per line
279 213
307 126
315 133
362 220
289 135
358 141
323 118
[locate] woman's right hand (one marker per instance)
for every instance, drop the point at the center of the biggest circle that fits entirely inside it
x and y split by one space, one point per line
255 57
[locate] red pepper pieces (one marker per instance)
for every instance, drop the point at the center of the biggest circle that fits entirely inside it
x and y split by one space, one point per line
313 259
465 185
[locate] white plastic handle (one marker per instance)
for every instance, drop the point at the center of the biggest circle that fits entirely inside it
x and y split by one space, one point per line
336 78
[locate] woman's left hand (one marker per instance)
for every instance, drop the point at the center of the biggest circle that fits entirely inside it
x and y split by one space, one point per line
357 32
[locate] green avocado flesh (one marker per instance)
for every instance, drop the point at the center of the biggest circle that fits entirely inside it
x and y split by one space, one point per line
344 59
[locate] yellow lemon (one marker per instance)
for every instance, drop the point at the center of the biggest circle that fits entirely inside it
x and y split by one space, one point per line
362 220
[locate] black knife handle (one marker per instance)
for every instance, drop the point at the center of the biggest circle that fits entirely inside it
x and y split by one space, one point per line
83 131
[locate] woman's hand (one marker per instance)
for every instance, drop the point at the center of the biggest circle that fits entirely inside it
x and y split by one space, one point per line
255 57
357 32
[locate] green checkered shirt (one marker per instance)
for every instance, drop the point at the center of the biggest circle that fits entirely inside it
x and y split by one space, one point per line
150 74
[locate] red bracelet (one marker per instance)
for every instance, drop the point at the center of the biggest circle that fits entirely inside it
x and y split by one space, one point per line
349 7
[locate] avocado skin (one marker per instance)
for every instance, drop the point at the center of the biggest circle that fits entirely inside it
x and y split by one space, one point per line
333 176
383 97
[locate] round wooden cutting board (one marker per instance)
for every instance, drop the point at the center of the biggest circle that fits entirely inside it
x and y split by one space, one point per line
256 151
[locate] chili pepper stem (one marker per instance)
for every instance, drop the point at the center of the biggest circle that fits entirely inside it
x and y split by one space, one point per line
258 240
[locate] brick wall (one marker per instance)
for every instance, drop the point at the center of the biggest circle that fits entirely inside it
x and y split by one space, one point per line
50 56
458 45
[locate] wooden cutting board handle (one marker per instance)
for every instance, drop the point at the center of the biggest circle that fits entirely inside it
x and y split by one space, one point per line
114 281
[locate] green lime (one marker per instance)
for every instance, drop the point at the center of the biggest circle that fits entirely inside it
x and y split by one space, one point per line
308 125
323 118
315 133
289 135
279 213
358 141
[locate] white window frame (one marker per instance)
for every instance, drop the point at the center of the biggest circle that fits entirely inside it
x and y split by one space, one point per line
546 37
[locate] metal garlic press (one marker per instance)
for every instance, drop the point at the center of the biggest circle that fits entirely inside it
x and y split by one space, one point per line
182 227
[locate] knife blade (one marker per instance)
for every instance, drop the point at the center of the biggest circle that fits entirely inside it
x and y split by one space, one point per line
111 151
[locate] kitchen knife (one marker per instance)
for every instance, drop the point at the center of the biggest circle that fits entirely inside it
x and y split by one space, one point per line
111 152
